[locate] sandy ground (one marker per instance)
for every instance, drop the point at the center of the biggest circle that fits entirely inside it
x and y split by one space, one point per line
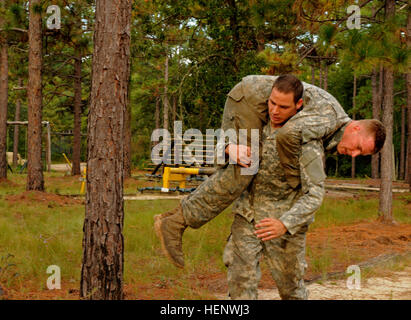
397 286
64 167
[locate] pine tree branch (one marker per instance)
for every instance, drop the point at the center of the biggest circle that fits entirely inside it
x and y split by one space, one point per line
15 29
309 18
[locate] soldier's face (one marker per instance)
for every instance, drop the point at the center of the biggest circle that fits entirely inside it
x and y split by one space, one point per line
356 141
281 107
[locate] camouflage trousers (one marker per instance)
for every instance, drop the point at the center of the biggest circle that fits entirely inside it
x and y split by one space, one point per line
226 185
214 195
285 257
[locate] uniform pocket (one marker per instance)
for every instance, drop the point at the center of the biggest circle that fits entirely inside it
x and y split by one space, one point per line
313 166
237 92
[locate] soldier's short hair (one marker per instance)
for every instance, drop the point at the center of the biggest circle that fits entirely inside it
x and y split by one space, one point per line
377 129
287 83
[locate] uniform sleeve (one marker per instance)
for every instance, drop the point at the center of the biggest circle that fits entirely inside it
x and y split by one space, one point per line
312 184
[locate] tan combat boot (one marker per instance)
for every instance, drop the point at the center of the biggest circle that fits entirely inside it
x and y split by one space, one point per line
169 228
165 214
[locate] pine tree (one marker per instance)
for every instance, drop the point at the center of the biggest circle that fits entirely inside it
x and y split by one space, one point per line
35 179
4 94
103 244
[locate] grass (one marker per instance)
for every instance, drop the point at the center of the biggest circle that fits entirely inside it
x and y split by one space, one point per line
35 236
334 212
43 234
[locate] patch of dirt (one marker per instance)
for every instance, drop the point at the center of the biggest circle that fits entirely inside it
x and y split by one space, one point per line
346 245
28 197
358 242
396 287
7 183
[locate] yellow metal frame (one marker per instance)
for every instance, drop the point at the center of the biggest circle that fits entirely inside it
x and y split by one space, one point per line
83 180
68 161
178 175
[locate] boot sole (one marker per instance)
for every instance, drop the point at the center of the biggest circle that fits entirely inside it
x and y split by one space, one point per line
157 229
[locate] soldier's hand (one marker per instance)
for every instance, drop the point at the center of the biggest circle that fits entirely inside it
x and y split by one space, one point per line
240 154
269 228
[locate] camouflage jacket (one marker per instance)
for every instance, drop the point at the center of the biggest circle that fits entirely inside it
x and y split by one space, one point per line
322 115
271 196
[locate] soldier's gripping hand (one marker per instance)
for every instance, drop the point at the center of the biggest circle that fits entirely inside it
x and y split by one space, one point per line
270 228
240 154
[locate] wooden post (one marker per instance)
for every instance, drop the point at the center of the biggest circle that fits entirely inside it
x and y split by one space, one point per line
48 148
16 128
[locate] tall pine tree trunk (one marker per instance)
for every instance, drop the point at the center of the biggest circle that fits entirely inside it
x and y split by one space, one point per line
402 145
16 128
408 178
385 207
77 116
157 112
157 118
103 242
174 109
4 95
35 180
313 75
166 104
376 111
321 74
326 77
408 77
127 138
353 117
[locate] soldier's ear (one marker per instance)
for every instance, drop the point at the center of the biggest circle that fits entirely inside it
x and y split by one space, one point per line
299 104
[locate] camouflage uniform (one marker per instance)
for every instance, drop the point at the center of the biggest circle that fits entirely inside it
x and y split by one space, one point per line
321 117
246 107
272 197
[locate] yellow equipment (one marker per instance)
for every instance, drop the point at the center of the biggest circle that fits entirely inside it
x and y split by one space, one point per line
180 175
83 180
68 161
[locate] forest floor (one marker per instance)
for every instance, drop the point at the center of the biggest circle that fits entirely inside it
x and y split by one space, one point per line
41 229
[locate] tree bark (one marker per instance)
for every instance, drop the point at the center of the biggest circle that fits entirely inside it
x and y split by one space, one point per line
77 116
313 75
35 179
385 207
103 242
174 109
4 94
408 77
16 128
409 129
321 75
376 111
326 77
402 145
157 117
166 104
353 169
127 138
157 112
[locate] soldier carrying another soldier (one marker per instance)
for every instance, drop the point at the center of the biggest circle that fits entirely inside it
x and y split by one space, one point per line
281 199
